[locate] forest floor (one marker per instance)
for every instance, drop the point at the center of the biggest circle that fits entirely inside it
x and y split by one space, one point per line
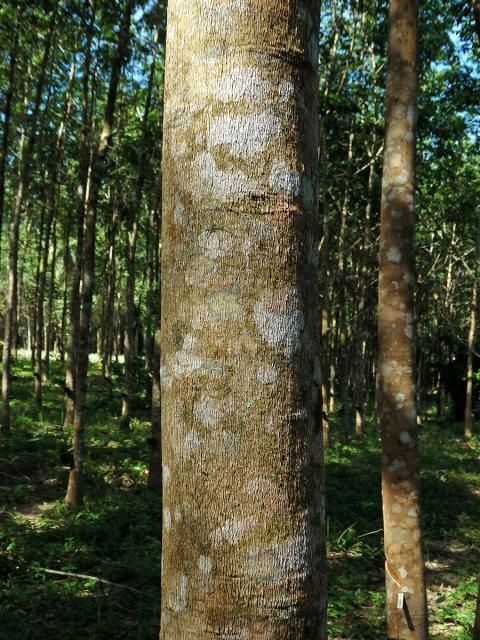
116 536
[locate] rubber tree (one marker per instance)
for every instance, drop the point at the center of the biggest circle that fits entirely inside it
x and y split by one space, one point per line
74 495
25 162
396 394
243 550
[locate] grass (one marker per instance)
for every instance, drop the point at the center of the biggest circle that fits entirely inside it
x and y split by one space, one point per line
116 536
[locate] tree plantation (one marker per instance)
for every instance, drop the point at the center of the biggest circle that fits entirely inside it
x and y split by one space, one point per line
239 253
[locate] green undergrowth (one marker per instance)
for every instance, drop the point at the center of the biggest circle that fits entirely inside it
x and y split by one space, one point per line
450 475
116 536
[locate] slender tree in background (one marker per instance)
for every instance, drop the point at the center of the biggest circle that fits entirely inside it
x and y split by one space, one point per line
81 194
74 496
406 597
23 182
7 113
468 428
134 216
52 204
243 553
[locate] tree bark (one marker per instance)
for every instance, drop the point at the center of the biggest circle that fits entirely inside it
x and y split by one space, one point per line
155 464
132 245
11 294
83 173
468 429
49 342
243 551
74 496
406 598
52 198
7 114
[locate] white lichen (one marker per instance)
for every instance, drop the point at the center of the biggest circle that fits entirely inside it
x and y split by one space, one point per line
284 180
210 181
285 90
178 597
232 530
208 411
205 564
267 375
167 519
242 84
166 475
394 255
280 320
245 136
405 437
216 243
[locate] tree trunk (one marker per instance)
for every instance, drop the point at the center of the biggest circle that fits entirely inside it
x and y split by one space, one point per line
155 465
243 551
66 278
7 114
11 295
49 342
325 288
83 175
406 598
110 300
52 197
132 245
74 496
470 344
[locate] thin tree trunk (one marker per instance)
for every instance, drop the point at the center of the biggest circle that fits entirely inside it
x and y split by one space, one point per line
49 342
7 114
110 299
155 464
66 279
243 553
325 289
405 584
83 177
11 296
470 344
74 496
52 196
132 245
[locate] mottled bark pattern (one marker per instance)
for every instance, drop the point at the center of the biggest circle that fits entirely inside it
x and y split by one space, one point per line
396 389
242 440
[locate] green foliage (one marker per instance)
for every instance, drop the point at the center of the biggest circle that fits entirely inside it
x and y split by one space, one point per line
115 537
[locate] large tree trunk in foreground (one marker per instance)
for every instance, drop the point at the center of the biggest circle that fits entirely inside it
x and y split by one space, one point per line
74 495
243 551
406 600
